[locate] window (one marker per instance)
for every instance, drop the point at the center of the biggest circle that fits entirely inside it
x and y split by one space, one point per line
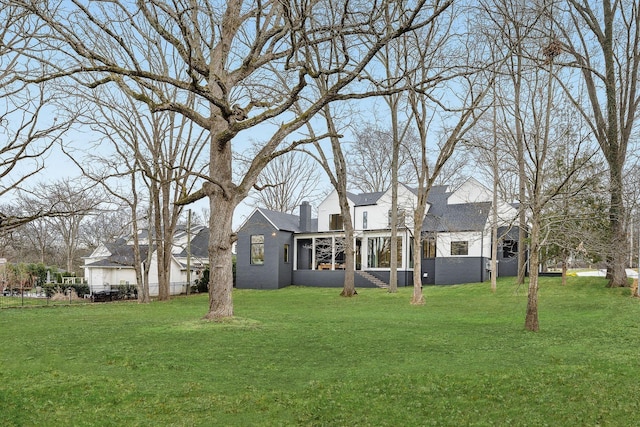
257 249
509 248
429 247
401 215
323 253
335 222
380 252
460 248
365 221
286 252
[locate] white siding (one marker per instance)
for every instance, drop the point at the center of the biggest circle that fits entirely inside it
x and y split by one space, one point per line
479 243
328 207
470 192
378 215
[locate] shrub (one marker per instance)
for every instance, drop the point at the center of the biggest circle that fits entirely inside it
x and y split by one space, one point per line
126 291
202 284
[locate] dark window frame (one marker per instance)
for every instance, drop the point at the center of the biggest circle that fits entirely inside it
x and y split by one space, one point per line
459 248
256 252
336 222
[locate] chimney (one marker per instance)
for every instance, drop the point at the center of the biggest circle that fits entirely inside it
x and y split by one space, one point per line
305 216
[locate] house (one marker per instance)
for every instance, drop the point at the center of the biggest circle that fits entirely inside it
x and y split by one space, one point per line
112 264
276 249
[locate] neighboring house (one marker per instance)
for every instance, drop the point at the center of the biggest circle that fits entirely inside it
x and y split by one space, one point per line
112 264
277 249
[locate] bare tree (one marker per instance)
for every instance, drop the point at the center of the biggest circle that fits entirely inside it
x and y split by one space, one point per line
434 55
287 181
105 225
160 152
26 132
603 40
229 52
75 201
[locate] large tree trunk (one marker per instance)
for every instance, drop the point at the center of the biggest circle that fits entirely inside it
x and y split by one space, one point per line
220 261
222 203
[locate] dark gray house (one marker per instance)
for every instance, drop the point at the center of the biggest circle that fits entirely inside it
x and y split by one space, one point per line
275 249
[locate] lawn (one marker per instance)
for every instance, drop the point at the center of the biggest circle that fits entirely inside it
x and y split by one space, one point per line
302 356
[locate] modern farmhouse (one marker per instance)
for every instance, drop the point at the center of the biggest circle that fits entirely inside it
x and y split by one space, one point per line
276 249
112 264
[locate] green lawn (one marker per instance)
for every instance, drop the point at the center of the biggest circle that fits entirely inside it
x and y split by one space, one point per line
302 356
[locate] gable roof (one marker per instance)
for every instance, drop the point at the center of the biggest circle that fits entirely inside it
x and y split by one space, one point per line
121 255
286 222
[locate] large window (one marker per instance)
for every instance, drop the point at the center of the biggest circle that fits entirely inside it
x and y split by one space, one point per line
380 252
335 222
460 248
429 247
257 249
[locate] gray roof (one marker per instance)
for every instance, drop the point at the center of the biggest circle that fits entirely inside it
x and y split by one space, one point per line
121 255
463 217
365 199
199 244
287 222
441 217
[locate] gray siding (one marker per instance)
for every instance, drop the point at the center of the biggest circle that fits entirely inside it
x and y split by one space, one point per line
454 270
508 266
428 268
335 278
274 273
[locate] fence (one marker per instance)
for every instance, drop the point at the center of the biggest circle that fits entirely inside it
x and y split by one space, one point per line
65 295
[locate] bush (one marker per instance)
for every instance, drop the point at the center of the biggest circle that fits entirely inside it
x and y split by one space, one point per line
52 288
126 291
202 284
81 289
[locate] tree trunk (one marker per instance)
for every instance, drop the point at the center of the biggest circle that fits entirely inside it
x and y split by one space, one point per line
417 298
531 319
393 265
222 203
616 269
167 239
220 261
340 183
349 287
156 242
522 175
565 266
494 203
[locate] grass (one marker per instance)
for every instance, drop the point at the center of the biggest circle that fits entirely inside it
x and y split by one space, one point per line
302 356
